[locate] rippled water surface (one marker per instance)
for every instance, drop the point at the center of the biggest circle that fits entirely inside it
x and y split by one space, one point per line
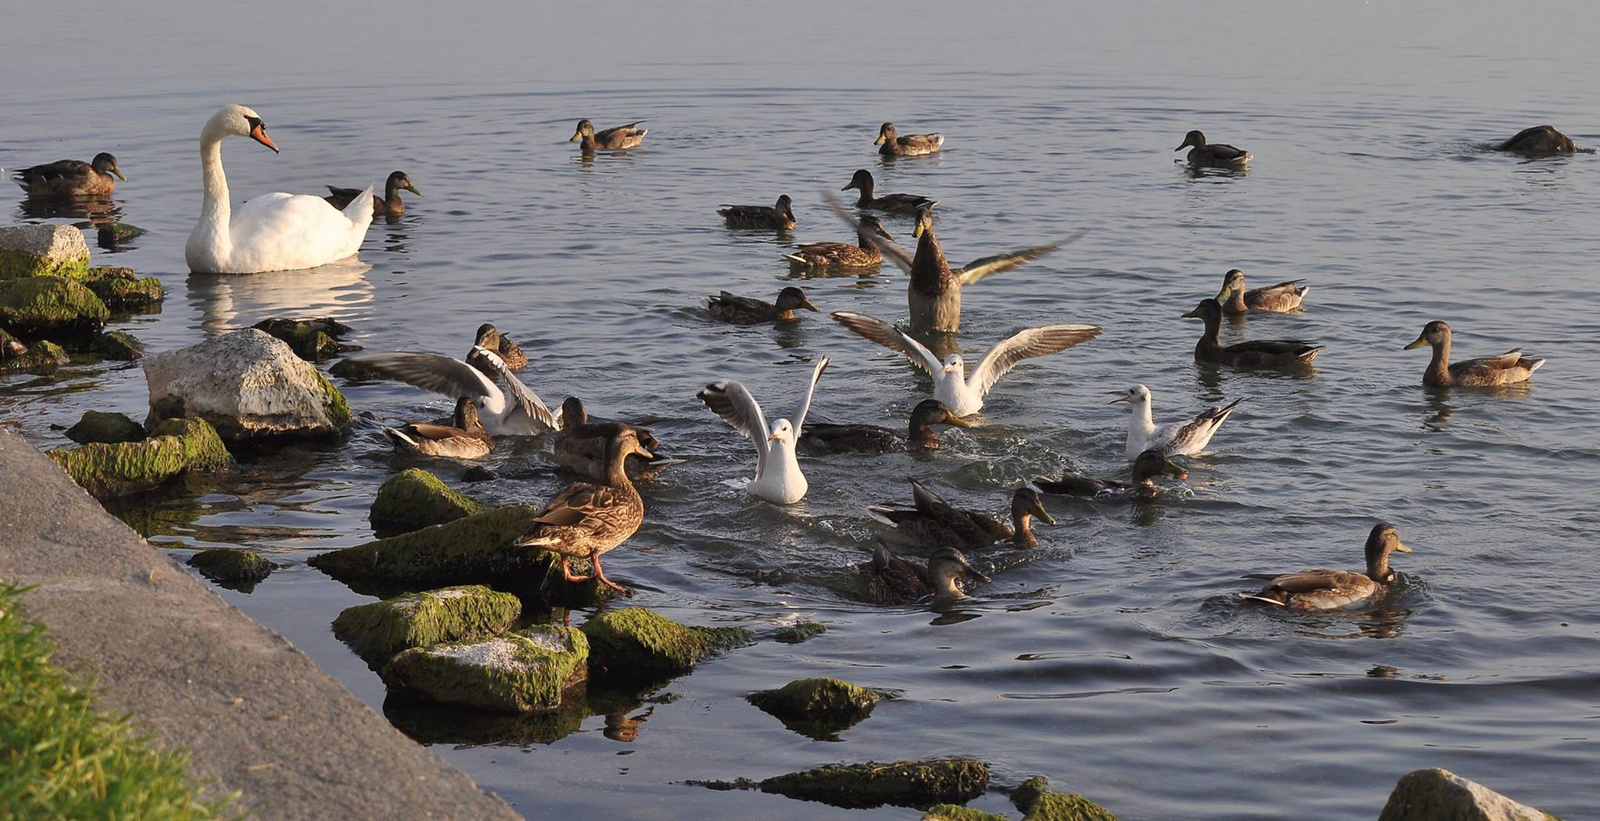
1113 658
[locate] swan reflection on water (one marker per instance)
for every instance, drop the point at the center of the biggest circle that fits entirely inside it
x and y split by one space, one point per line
227 302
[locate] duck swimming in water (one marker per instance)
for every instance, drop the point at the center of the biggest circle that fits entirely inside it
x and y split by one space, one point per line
388 205
892 144
822 437
1314 590
1257 353
581 443
779 216
823 257
891 579
489 337
778 477
1185 438
1146 467
888 203
1540 139
588 519
1508 368
1219 154
1281 298
466 439
938 522
743 310
72 179
611 139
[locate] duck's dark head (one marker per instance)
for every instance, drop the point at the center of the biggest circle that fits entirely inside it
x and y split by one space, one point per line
791 298
488 336
1382 541
945 567
1231 281
1209 311
107 164
1193 138
1028 501
467 415
622 442
1434 333
885 134
585 129
399 181
875 225
924 222
862 180
573 413
785 206
1150 464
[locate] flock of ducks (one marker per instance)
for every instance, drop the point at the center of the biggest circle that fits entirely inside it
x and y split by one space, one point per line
596 514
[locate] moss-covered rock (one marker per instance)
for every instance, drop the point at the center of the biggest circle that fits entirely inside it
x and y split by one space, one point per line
799 631
1037 803
41 358
118 345
106 428
46 306
311 339
377 631
231 565
416 498
818 707
121 289
173 447
528 670
113 234
478 548
1440 795
901 783
41 251
633 642
956 812
354 371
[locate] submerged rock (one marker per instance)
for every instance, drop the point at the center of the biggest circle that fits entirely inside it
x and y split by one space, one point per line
43 357
416 498
42 250
231 565
248 385
118 345
471 549
311 339
47 306
121 289
354 371
113 234
377 631
956 812
901 783
799 631
105 428
429 722
174 447
1037 803
529 670
818 707
1440 795
633 642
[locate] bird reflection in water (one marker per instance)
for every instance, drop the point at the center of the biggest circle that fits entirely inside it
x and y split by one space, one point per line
625 728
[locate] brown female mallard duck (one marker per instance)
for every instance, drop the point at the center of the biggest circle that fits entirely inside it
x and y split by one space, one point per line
388 205
1281 298
1146 467
821 437
889 203
891 579
743 310
72 178
1508 368
938 522
1257 353
1312 590
1541 139
891 144
623 136
490 338
588 519
582 440
841 256
779 216
466 439
1204 153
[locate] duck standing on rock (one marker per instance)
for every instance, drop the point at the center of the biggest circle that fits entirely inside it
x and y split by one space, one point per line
1217 154
1146 467
1281 298
1314 590
466 439
1264 353
779 215
388 205
588 519
891 579
743 310
1508 368
1185 438
937 522
72 179
822 437
888 203
778 477
891 144
611 139
822 257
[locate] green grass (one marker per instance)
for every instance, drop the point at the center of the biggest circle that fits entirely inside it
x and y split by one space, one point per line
62 758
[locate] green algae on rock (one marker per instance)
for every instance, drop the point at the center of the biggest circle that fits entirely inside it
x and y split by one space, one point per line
43 357
477 548
415 498
633 642
46 306
231 565
525 671
113 234
799 631
818 707
118 345
956 812
42 250
105 428
173 447
1037 803
873 784
378 631
1428 794
311 339
122 289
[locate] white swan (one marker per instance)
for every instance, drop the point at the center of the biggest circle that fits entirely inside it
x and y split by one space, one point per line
778 477
272 232
1185 438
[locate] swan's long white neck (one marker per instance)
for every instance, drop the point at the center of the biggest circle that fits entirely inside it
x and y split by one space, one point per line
216 212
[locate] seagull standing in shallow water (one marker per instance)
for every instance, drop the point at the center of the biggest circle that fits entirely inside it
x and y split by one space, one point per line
1185 438
778 477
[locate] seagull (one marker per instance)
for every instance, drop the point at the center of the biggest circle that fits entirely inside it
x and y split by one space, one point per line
963 395
778 477
515 411
1185 438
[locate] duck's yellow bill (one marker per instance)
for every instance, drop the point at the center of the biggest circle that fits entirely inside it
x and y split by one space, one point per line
1421 340
878 141
1402 548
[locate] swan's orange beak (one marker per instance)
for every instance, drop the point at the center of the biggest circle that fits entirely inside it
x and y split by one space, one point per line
259 134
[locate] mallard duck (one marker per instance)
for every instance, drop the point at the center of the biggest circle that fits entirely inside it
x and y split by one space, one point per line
779 216
821 437
590 518
891 144
1311 590
1204 153
489 337
466 439
961 394
388 205
623 136
891 579
778 477
516 411
1185 438
72 178
1281 298
938 522
1253 354
834 256
1146 467
1508 368
889 203
743 310
1541 139
581 443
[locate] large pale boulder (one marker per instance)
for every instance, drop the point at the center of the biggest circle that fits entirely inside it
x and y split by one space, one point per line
1440 795
42 250
247 385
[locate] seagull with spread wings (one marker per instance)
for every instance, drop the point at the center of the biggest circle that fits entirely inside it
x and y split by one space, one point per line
963 394
778 477
515 411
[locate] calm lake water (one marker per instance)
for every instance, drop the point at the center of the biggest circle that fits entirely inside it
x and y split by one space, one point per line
1114 658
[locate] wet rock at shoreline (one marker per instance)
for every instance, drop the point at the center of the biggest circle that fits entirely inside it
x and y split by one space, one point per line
415 498
47 306
799 631
478 473
530 670
113 234
819 708
118 345
123 290
247 385
863 786
478 548
636 643
1037 803
313 340
43 357
1440 795
380 630
956 812
231 566
354 371
42 250
173 447
105 428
